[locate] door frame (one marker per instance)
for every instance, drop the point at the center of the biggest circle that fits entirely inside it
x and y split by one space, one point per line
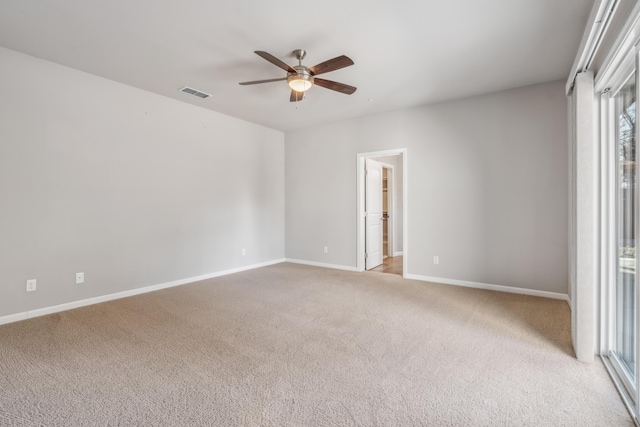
360 213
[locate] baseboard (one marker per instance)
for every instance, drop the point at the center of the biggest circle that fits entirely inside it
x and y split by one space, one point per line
397 253
477 285
13 318
322 264
499 288
109 297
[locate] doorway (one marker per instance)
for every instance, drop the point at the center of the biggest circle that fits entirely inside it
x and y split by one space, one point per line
381 211
391 257
387 219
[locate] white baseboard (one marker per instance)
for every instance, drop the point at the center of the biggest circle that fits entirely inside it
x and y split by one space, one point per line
322 264
477 285
95 300
13 318
499 288
397 253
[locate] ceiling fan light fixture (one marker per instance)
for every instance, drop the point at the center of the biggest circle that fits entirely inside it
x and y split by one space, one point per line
300 82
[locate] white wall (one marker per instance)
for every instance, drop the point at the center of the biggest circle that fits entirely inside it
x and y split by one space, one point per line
487 187
131 188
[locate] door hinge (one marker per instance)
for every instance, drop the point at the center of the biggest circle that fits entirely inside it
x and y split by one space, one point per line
366 255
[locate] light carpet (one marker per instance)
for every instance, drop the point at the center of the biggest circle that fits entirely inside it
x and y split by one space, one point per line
293 345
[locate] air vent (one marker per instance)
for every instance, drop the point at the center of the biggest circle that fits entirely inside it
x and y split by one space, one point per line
194 92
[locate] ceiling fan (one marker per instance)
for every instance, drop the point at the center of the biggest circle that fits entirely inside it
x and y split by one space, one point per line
301 78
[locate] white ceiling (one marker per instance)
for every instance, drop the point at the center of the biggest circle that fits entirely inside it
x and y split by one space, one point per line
406 52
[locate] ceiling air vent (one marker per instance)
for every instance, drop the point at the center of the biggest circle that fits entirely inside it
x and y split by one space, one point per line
194 92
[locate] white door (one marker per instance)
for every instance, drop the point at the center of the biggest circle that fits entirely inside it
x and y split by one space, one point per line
373 219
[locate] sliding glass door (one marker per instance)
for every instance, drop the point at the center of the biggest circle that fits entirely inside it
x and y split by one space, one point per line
624 307
616 83
621 228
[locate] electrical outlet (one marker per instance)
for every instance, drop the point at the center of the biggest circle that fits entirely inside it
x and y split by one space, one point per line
326 249
436 260
244 251
31 285
79 277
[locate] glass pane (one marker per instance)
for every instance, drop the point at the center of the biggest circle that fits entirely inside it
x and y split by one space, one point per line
625 347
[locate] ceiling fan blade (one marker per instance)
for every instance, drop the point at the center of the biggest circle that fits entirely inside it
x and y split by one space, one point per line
296 96
275 61
331 65
338 87
256 82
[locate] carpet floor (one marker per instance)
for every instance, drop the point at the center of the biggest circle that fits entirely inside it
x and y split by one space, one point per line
293 345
